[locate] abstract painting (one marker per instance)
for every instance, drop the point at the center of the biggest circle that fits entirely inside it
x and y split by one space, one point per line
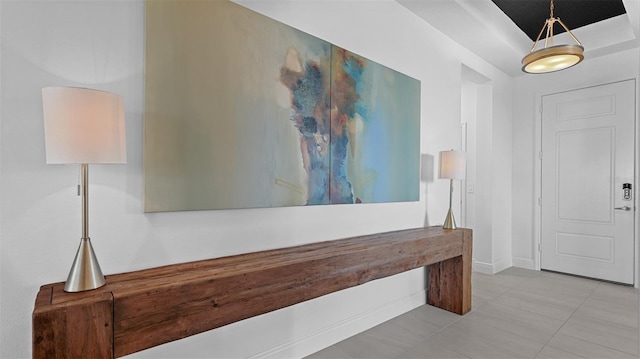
242 111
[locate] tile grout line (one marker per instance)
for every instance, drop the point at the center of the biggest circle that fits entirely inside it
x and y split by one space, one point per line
462 317
567 320
514 288
459 318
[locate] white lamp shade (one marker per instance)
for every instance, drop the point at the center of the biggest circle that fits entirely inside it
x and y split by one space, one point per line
83 126
452 165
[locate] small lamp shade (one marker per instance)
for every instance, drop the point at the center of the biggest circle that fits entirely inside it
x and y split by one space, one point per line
83 126
452 165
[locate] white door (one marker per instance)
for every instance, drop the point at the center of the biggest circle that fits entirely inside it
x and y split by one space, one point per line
588 144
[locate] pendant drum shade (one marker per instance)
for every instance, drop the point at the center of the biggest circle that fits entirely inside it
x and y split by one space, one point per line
83 126
452 165
552 58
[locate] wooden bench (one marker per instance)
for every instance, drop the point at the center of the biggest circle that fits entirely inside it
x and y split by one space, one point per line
138 310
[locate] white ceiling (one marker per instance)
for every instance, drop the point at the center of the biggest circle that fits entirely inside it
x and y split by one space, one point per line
480 26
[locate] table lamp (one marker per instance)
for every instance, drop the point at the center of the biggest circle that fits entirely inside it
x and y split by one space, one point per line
452 166
83 126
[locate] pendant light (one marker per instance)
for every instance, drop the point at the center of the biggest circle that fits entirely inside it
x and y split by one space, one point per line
552 57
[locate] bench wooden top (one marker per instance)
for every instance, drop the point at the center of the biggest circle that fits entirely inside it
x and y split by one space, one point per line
142 309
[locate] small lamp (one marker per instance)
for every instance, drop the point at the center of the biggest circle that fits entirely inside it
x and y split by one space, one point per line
452 166
83 126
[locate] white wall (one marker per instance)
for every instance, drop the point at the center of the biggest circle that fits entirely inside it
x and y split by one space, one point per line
528 90
100 44
487 112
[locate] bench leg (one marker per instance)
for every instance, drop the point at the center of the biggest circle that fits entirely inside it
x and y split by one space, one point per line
449 282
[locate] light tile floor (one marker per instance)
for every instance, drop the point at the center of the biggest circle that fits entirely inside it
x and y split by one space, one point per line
516 313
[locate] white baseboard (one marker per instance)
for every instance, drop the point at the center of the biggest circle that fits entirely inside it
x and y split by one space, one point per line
344 329
500 266
490 268
482 267
523 263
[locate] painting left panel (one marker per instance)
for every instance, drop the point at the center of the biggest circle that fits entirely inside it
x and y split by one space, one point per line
236 109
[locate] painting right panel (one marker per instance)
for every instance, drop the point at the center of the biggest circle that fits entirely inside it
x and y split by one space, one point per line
375 132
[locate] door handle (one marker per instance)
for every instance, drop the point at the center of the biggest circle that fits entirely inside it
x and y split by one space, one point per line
625 208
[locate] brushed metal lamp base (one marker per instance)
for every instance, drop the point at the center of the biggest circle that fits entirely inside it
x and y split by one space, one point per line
85 272
449 222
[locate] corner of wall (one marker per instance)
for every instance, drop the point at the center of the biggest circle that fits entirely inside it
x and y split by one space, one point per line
524 263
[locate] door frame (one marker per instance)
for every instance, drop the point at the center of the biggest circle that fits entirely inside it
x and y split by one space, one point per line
537 221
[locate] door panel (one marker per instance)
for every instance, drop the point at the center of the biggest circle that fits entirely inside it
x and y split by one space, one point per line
585 246
588 144
581 154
